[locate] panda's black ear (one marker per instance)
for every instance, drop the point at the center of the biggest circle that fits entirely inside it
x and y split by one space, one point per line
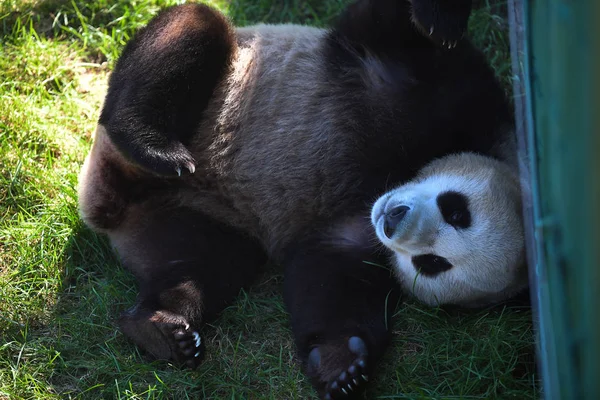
162 83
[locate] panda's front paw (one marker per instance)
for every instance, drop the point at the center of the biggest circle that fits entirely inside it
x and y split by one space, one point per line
164 335
190 347
444 22
342 371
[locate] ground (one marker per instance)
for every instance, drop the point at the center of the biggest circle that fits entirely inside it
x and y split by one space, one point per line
61 288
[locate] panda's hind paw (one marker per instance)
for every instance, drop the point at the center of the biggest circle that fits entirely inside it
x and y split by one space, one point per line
444 22
351 380
166 158
173 160
340 369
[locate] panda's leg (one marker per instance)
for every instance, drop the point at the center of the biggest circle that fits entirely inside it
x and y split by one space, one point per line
161 84
189 267
382 25
339 303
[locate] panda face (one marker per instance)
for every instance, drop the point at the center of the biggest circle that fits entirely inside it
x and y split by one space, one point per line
456 231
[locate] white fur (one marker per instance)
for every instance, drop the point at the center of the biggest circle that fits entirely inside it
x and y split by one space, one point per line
488 258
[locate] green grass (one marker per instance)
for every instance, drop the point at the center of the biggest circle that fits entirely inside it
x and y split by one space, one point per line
61 288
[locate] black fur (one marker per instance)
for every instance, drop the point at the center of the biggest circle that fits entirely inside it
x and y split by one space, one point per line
435 102
431 265
454 207
192 267
422 101
162 82
332 295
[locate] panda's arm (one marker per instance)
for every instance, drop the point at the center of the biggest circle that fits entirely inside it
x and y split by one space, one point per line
161 84
382 25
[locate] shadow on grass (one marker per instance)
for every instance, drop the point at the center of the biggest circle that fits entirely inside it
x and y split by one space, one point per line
250 352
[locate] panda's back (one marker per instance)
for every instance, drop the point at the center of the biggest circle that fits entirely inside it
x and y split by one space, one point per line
268 140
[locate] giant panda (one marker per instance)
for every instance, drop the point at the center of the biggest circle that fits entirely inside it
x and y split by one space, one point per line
219 148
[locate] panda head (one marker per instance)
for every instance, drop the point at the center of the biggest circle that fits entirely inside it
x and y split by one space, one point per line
456 231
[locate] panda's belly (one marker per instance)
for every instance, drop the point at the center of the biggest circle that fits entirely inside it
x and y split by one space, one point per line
270 140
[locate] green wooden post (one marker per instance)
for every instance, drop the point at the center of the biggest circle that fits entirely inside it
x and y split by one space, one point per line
556 63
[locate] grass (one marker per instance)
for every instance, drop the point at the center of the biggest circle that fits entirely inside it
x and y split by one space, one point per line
61 288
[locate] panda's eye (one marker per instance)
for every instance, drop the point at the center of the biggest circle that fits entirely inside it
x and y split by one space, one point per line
454 207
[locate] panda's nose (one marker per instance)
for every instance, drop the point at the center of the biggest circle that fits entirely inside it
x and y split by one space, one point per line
392 218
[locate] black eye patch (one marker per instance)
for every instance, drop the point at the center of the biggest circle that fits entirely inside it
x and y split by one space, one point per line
430 265
454 207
